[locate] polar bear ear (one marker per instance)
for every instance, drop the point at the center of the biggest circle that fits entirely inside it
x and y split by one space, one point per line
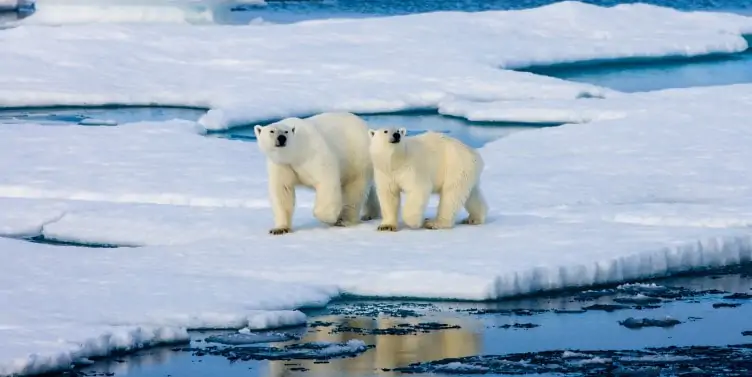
372 132
403 131
257 129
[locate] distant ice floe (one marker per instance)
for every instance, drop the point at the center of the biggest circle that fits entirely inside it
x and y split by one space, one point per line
66 12
247 74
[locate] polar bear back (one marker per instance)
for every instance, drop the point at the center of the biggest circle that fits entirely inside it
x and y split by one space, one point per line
442 159
345 138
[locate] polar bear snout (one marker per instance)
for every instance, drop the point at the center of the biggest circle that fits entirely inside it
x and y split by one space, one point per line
396 137
281 141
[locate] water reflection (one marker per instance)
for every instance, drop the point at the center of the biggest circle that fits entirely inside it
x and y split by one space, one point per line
391 351
145 361
479 333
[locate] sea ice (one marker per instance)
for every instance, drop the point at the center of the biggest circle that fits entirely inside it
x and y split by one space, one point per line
311 351
65 12
66 306
251 73
247 337
197 207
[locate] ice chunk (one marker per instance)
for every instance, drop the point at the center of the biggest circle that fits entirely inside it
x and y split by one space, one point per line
460 368
245 336
276 319
97 122
129 11
315 350
637 323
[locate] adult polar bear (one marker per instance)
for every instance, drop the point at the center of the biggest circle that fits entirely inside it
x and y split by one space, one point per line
327 152
422 165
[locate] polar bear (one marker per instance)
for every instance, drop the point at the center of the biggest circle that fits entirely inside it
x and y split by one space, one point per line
420 166
326 152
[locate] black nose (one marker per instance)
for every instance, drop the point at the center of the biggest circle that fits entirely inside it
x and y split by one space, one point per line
281 140
396 137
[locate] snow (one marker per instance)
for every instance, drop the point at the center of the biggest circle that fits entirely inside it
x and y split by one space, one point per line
275 319
675 165
98 300
251 73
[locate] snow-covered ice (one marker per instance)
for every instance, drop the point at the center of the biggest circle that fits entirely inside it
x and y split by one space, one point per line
66 12
558 200
66 306
63 12
251 73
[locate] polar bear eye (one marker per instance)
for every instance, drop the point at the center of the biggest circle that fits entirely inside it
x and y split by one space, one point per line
271 132
386 131
285 131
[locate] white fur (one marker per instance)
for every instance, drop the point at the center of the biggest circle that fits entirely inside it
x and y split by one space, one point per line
431 163
328 153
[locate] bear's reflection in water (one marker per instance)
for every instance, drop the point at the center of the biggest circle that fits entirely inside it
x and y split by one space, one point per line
391 351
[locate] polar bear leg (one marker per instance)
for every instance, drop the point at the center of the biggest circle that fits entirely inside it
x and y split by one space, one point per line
282 197
328 203
389 202
416 201
476 207
353 196
372 209
451 200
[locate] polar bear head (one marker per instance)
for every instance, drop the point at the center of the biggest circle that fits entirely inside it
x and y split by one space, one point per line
278 141
387 139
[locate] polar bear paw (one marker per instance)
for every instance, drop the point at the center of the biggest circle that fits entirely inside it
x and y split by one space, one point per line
471 221
343 223
387 228
435 225
279 231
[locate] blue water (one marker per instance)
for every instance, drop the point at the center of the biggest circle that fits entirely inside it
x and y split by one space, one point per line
293 11
657 74
477 335
475 134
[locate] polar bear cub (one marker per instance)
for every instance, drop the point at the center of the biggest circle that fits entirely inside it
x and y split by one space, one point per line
420 166
326 152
